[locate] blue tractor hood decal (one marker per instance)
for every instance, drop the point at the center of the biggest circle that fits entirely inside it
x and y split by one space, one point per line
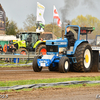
57 42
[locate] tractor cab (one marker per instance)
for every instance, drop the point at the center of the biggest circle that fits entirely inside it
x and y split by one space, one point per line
29 37
80 33
84 31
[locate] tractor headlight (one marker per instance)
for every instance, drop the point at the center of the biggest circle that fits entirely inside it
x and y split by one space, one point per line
62 49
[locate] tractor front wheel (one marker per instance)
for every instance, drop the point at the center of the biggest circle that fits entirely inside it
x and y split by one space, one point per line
35 66
64 64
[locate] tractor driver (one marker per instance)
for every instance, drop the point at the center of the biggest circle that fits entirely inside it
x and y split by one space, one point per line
70 36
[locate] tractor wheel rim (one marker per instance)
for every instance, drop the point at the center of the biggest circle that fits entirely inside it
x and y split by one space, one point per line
23 52
87 58
43 51
66 65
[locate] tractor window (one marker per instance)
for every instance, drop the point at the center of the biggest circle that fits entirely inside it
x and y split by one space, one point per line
82 37
75 33
23 36
84 31
34 39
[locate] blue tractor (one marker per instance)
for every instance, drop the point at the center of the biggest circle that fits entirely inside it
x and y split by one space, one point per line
79 58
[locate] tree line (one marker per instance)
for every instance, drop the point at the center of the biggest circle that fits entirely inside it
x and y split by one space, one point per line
30 25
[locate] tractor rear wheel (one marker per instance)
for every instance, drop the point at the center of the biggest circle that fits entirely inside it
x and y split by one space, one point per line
35 66
41 49
64 64
84 58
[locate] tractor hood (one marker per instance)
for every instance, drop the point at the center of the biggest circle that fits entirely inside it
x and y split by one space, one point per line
55 46
57 42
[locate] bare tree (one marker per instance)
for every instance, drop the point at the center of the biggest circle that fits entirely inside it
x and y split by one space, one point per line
29 23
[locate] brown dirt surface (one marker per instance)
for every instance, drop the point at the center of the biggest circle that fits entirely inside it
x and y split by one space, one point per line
81 93
27 73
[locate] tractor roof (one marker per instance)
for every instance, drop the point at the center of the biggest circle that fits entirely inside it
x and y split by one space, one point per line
35 32
24 32
84 30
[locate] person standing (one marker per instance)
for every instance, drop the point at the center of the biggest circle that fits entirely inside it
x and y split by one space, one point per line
1 49
8 53
5 50
7 47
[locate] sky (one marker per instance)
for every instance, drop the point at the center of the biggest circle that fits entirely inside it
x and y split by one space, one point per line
17 10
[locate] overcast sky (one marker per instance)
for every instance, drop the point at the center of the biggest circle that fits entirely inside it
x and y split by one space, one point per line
17 10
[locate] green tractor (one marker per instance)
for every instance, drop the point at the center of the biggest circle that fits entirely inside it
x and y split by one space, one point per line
31 41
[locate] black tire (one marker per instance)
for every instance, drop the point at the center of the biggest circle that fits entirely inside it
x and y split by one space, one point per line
64 64
38 51
22 49
51 68
35 66
84 58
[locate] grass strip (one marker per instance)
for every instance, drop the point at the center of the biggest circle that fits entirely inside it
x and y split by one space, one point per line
50 80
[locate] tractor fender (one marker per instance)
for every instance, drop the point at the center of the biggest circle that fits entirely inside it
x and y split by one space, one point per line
38 43
77 43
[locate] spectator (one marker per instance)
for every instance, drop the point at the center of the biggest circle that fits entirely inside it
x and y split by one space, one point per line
5 48
7 52
13 48
10 49
1 49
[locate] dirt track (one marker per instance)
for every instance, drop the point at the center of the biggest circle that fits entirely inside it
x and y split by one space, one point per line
26 73
82 93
